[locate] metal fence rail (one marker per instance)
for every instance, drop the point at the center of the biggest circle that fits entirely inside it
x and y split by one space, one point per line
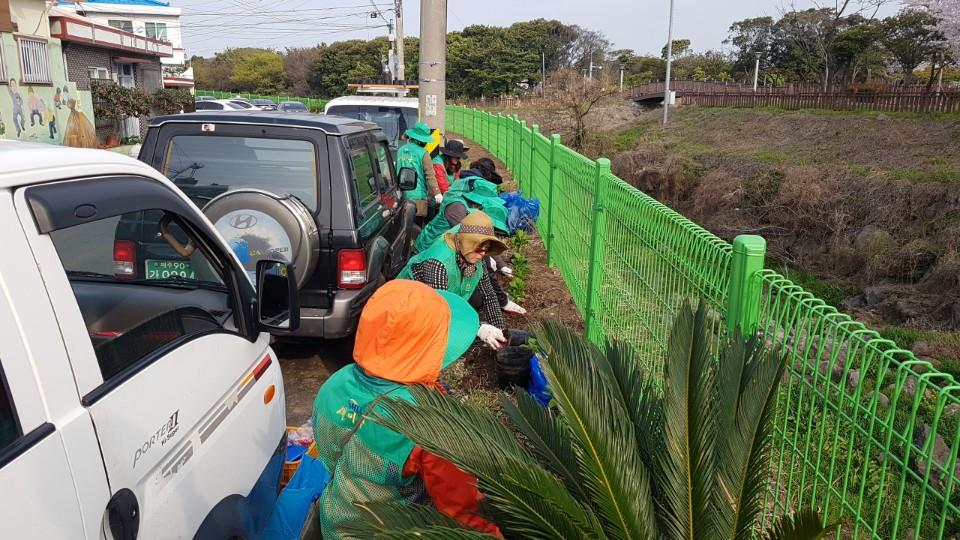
865 431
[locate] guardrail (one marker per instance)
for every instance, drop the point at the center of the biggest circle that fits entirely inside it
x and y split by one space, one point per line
865 431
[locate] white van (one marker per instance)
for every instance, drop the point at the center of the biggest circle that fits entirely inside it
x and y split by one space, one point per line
393 114
133 403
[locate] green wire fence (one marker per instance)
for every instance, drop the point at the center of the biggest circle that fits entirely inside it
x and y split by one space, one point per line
314 104
865 432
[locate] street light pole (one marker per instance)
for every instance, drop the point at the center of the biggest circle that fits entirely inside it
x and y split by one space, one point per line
666 84
398 14
756 72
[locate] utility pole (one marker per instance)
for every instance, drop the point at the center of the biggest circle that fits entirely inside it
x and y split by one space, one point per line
591 65
621 78
756 72
666 84
543 72
391 56
433 62
398 12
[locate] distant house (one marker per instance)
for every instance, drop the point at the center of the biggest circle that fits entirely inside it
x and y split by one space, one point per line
148 18
99 53
37 101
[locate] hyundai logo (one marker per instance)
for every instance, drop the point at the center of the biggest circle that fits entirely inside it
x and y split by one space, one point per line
243 221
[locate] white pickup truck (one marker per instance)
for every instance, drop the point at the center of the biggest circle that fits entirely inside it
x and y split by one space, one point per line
134 402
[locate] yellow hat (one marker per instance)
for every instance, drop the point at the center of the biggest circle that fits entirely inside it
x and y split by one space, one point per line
475 229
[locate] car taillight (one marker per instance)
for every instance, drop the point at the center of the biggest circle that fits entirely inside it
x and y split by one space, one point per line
124 259
352 268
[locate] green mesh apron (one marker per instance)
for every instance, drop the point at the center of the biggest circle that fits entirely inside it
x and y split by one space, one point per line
410 156
441 252
365 462
439 224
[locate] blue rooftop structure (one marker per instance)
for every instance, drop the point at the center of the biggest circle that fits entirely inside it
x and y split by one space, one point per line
124 2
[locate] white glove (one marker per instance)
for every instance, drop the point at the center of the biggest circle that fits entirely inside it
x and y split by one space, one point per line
438 198
493 264
492 336
507 271
513 307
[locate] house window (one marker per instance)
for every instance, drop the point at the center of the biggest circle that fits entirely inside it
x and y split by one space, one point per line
121 24
99 74
156 30
34 61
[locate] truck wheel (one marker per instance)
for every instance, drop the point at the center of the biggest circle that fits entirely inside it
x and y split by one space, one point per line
260 225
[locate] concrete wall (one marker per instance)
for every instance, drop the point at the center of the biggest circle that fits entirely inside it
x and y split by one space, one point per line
30 17
28 111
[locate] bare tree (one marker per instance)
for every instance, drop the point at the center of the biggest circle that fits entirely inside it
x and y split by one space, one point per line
578 95
298 65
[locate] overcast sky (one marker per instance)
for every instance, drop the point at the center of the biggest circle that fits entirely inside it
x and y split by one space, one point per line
641 25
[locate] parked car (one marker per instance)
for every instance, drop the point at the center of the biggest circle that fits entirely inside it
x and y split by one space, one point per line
134 400
318 191
292 106
216 105
393 114
204 98
242 104
265 104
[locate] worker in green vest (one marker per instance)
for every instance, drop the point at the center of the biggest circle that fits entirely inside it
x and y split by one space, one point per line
467 195
407 333
448 162
413 155
454 262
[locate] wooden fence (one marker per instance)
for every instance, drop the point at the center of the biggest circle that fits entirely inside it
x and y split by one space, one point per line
888 102
682 88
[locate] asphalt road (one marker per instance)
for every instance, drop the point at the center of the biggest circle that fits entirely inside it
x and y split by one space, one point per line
306 364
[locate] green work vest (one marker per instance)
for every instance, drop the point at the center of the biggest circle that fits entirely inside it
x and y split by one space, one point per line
439 224
456 283
365 465
410 156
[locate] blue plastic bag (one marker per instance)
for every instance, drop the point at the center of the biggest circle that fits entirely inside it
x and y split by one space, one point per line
521 213
537 387
293 503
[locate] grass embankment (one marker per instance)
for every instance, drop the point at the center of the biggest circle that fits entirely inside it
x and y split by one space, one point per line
850 203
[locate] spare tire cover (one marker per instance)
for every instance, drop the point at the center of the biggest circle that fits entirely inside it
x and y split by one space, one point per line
259 225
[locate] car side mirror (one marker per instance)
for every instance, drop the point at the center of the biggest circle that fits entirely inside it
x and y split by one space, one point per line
278 301
408 179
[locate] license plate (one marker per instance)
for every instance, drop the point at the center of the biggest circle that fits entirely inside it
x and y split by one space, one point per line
157 269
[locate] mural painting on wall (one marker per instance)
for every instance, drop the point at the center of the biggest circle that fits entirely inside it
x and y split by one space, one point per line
56 114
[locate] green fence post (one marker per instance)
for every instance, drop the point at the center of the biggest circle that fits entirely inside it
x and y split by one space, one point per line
523 129
534 131
594 277
743 307
516 145
548 245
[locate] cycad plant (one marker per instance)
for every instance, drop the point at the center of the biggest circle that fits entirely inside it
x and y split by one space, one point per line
619 456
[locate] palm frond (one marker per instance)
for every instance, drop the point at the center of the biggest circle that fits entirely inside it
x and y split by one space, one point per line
642 399
688 463
393 516
802 525
548 437
531 501
612 471
746 443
